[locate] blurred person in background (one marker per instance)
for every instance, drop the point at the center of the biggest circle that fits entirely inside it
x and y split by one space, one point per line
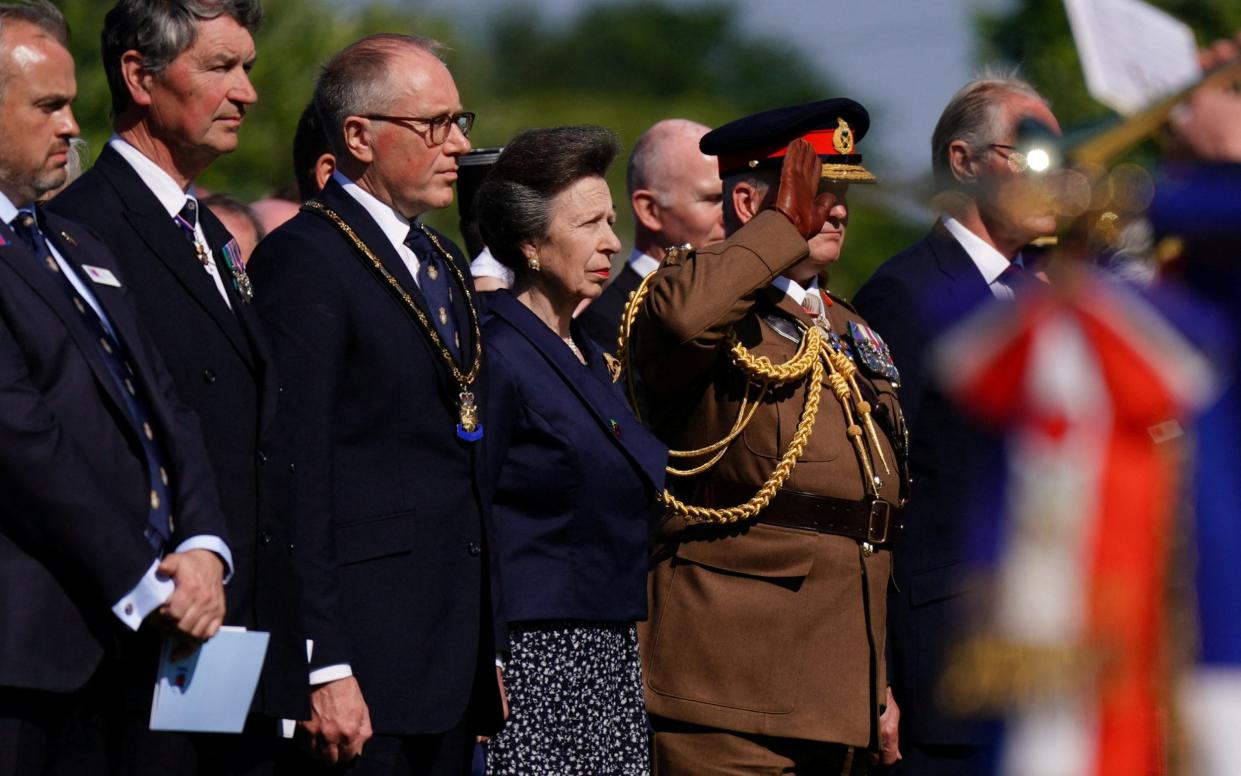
575 476
675 194
240 219
992 209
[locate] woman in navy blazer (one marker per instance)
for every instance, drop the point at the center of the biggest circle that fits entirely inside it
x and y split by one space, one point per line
575 475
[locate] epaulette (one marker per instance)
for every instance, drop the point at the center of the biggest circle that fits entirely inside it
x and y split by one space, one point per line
676 255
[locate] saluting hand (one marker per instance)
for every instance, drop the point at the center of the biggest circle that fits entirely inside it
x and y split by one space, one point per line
798 196
196 608
340 722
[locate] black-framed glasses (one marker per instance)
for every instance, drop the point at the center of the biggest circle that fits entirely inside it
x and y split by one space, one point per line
438 127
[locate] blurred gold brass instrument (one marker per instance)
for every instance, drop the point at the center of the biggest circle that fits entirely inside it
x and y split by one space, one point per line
1110 143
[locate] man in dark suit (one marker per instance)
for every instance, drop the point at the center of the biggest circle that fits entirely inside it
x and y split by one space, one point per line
375 333
110 517
992 209
675 194
178 101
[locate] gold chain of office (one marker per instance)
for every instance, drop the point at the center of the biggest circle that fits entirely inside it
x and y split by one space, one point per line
465 380
808 364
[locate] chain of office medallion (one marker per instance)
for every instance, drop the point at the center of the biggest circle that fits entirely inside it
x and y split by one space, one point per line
465 379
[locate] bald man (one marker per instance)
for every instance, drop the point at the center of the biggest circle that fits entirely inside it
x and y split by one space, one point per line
674 191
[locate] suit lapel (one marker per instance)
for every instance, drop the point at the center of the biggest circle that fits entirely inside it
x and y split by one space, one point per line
596 391
217 237
15 253
335 197
167 243
968 284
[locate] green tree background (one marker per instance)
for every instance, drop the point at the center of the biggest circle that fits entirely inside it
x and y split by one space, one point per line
623 65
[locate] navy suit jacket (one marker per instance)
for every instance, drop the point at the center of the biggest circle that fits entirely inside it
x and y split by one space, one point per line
575 476
76 492
386 498
220 364
601 318
911 300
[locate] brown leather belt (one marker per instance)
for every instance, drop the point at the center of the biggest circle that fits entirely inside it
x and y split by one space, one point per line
869 520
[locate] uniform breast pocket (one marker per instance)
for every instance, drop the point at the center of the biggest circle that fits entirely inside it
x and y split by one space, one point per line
775 425
727 632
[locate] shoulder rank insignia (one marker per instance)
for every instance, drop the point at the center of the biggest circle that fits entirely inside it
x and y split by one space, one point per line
873 352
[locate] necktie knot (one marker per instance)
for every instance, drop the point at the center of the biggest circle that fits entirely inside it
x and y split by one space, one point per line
189 212
25 220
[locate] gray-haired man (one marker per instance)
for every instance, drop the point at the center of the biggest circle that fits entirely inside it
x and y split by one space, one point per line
178 75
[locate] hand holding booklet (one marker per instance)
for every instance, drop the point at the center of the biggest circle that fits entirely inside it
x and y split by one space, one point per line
210 690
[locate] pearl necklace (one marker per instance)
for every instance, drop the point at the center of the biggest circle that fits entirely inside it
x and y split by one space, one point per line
573 346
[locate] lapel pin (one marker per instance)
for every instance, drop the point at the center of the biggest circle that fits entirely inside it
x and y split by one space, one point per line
72 243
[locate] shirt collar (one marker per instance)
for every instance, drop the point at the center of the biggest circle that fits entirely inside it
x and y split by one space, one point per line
643 263
990 262
8 211
394 225
171 197
794 290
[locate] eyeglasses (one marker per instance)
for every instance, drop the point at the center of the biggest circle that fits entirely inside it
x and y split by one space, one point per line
438 127
1016 160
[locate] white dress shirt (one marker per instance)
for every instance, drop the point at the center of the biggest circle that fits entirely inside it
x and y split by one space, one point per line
394 225
486 265
172 198
990 262
154 589
642 263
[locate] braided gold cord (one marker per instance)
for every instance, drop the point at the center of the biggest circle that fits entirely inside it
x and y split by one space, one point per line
807 363
760 500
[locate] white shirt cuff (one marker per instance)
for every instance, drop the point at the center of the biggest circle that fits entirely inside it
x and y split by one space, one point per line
214 544
154 589
330 674
148 595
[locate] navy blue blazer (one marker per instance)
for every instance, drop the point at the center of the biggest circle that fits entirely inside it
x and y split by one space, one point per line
72 471
911 300
387 507
575 476
222 369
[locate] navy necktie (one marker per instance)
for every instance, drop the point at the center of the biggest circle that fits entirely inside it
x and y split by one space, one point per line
129 384
436 288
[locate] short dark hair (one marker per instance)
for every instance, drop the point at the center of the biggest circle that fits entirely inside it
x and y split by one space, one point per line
309 143
160 30
357 80
41 14
514 202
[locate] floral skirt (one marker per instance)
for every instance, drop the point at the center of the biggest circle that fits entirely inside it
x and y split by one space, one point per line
575 700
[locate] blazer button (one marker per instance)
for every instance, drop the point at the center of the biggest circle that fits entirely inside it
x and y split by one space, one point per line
262 457
265 536
292 468
208 376
475 549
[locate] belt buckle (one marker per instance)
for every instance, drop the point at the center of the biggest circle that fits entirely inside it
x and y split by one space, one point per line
881 510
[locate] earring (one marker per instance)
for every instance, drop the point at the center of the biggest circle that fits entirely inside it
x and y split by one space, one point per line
533 263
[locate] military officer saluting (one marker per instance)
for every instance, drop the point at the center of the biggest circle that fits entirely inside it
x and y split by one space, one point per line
766 637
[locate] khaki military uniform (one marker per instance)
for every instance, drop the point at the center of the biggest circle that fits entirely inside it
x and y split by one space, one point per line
758 627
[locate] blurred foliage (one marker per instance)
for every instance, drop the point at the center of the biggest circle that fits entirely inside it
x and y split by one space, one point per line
620 65
1035 34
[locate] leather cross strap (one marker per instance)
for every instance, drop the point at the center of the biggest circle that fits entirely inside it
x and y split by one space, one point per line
870 520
